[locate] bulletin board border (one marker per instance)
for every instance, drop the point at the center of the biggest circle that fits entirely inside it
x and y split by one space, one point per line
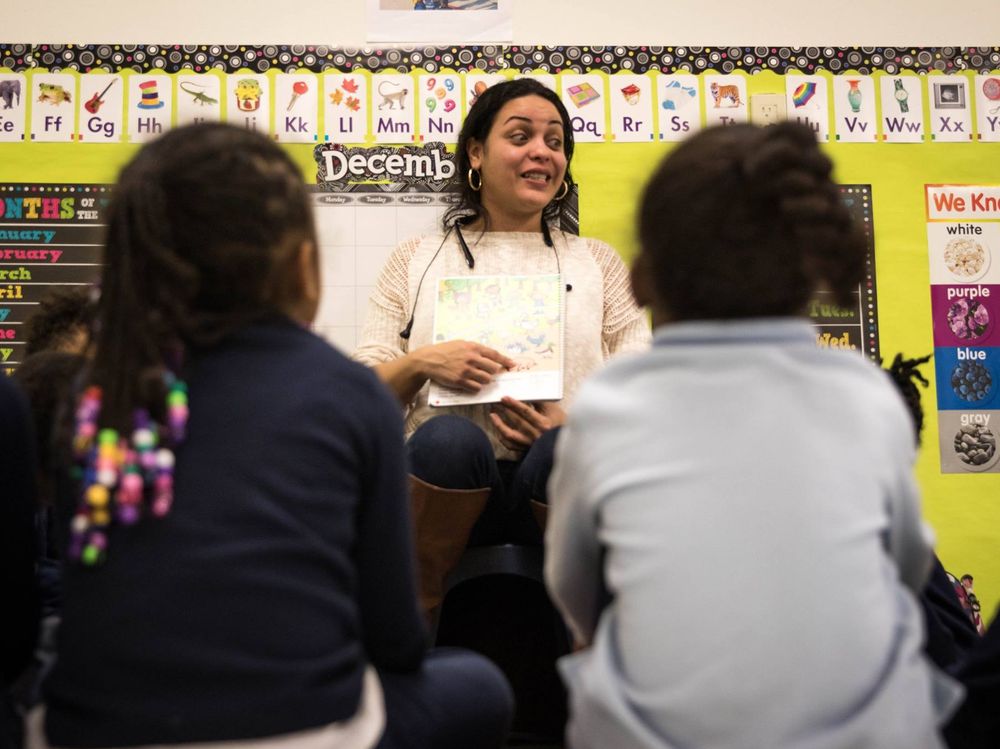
174 58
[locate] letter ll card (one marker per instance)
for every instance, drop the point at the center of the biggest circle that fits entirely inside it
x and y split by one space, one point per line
585 97
14 95
393 99
987 89
296 108
199 98
951 108
854 110
100 108
439 102
725 99
807 102
902 109
631 108
679 106
53 107
249 102
345 100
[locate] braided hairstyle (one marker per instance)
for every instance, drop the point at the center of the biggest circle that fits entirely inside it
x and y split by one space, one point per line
742 221
477 125
905 375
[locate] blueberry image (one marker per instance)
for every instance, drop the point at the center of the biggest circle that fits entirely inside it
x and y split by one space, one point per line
971 381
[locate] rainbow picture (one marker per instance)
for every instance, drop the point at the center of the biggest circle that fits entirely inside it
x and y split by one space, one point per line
803 93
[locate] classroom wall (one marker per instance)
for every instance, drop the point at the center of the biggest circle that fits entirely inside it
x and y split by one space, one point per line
964 510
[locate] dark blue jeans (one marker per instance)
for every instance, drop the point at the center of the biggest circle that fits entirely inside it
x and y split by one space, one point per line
456 700
453 453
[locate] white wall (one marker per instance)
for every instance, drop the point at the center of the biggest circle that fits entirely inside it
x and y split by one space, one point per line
341 23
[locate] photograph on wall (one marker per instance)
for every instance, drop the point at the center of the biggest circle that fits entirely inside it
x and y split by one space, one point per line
439 21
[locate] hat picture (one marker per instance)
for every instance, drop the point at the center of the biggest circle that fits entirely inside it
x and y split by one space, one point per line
150 96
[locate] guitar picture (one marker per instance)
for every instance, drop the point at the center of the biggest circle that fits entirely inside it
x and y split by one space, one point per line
95 101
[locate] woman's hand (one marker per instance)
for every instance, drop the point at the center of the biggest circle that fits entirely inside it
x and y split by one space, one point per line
462 365
519 424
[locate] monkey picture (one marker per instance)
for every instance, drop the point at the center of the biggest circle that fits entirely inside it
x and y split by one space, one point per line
394 97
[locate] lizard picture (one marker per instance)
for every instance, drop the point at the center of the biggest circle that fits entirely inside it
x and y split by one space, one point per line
199 97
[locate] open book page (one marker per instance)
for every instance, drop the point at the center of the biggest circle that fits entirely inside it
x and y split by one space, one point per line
519 316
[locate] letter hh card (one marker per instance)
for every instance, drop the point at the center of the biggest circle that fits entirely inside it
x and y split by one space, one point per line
199 98
345 102
439 101
987 89
632 103
150 106
855 113
296 111
902 109
14 95
585 98
393 115
725 99
679 105
807 101
53 107
951 108
248 102
100 108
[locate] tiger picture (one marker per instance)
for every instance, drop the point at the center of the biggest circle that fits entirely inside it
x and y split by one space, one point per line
729 91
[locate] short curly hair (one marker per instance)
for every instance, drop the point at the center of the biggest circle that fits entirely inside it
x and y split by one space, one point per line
61 315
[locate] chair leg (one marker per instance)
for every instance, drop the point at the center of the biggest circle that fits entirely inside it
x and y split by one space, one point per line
443 520
541 512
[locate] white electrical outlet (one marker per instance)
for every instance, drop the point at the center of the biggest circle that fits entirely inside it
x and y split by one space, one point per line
767 109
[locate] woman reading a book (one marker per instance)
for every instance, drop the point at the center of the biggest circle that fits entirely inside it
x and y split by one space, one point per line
474 467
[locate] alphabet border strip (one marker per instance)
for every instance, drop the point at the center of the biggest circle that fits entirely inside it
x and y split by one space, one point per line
173 58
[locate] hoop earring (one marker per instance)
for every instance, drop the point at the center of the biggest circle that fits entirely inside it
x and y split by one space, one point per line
565 191
479 180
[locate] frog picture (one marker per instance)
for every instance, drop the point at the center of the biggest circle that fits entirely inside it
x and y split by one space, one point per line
53 94
247 95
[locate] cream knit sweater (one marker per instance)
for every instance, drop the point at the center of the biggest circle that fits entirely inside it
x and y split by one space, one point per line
602 318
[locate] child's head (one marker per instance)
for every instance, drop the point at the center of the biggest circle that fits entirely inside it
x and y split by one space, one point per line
61 322
210 228
742 221
905 374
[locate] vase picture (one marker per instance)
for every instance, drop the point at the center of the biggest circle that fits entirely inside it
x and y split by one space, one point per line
854 95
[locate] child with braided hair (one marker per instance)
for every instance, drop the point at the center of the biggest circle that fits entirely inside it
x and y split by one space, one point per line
738 466
242 564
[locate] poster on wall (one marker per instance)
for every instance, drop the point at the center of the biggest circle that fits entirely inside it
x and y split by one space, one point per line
439 21
963 239
50 236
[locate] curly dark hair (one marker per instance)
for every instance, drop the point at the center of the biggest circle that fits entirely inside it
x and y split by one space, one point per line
477 125
743 221
203 231
60 317
905 375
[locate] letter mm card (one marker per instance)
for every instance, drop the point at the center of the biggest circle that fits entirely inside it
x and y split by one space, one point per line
296 107
987 90
585 97
248 102
855 109
632 106
951 108
14 95
725 99
807 101
439 101
678 106
53 107
393 112
199 98
902 108
150 106
102 99
345 107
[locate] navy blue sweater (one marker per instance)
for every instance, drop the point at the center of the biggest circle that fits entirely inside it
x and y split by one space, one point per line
284 566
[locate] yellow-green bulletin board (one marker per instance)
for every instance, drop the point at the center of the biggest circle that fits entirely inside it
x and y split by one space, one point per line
963 509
